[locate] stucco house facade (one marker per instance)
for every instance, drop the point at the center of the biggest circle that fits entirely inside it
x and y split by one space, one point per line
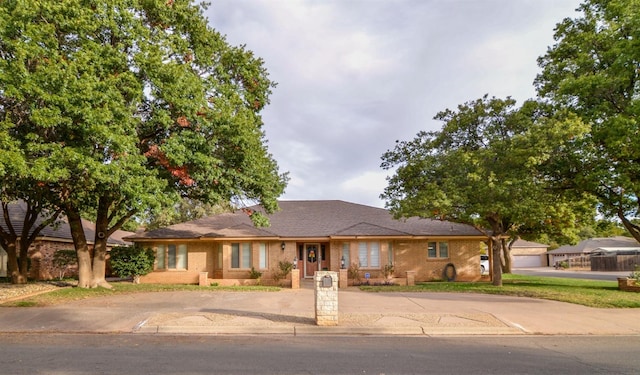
314 235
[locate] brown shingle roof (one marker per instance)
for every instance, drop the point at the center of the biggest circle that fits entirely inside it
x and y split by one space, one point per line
58 231
307 219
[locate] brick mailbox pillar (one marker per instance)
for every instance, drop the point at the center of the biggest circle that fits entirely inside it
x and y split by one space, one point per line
343 280
326 296
411 278
203 279
295 279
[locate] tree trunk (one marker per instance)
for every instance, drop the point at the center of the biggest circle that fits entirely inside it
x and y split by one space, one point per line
85 272
496 276
506 256
632 228
13 268
100 244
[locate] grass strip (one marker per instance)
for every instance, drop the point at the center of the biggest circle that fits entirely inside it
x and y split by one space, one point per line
592 293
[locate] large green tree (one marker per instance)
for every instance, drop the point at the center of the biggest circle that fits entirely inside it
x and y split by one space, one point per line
480 169
128 105
593 69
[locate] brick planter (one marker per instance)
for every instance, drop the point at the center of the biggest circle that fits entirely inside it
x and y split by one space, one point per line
628 285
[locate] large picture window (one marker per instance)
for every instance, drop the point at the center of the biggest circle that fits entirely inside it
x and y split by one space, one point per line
172 257
438 250
369 254
241 255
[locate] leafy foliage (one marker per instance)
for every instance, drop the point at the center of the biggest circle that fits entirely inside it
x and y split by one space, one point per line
132 261
184 210
482 169
592 70
124 106
254 274
63 259
284 269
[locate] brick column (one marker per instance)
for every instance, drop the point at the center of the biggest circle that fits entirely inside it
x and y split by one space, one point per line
343 280
411 278
326 298
203 280
295 279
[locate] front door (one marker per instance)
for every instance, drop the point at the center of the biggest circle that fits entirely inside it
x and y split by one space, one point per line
312 261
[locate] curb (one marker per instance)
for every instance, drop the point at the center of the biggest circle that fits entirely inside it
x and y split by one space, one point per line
329 331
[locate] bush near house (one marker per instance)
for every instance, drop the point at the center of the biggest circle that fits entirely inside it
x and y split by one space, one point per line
285 268
63 260
132 261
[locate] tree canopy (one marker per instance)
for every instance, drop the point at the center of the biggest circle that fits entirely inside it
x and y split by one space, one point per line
593 70
480 169
127 105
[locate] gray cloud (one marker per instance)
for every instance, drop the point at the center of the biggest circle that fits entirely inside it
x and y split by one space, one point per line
354 76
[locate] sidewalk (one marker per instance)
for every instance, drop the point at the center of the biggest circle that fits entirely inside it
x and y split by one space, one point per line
290 312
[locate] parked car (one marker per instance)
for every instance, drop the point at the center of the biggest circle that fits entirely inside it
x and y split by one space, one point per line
484 264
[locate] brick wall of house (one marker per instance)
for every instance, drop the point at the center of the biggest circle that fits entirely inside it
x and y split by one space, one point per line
410 255
199 258
463 254
41 255
171 277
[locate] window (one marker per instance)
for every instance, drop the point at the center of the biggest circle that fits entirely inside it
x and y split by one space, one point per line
369 254
390 254
171 257
241 255
438 250
263 256
346 255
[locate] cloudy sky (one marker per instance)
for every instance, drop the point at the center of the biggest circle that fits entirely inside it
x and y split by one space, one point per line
354 76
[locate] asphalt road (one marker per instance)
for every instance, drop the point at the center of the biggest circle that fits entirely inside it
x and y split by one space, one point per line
76 354
589 275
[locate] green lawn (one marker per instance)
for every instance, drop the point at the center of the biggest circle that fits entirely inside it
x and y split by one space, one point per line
603 294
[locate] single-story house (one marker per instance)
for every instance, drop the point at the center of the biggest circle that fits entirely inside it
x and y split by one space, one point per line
584 249
313 235
528 254
51 239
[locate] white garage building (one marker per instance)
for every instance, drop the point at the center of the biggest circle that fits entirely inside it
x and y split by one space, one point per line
525 254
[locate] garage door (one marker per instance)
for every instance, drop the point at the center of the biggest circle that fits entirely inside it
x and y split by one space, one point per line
524 261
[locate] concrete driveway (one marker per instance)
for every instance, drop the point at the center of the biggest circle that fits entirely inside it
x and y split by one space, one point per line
291 312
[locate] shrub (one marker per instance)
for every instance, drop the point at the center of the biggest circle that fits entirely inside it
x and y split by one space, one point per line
132 261
285 268
387 271
354 272
255 274
635 274
63 259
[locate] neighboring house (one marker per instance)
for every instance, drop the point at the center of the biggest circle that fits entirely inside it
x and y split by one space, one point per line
51 238
316 235
587 247
528 254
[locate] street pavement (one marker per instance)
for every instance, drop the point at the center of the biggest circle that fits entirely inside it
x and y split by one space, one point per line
291 312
